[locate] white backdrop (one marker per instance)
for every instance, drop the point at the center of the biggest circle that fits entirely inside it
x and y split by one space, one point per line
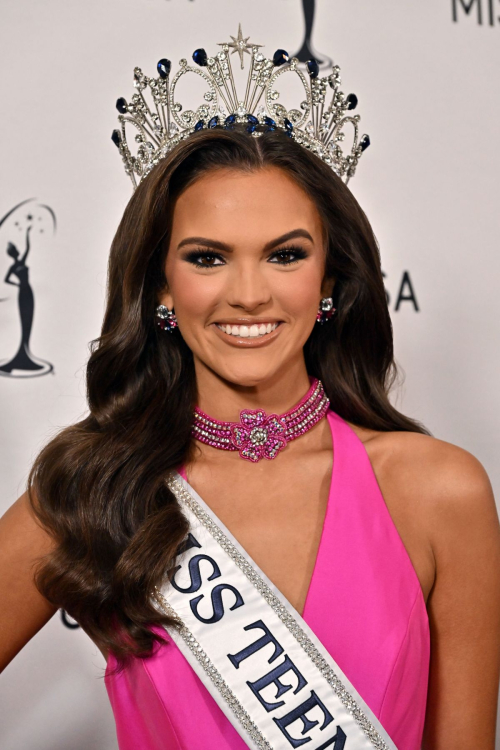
428 97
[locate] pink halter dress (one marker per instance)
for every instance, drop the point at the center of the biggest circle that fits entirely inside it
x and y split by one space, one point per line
364 603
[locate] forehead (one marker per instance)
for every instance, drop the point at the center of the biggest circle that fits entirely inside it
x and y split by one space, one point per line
234 205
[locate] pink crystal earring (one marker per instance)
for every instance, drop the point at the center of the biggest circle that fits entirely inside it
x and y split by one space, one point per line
165 318
326 310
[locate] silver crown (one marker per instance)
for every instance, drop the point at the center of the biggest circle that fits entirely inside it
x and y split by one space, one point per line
316 124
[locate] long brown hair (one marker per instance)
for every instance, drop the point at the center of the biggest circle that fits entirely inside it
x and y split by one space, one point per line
99 486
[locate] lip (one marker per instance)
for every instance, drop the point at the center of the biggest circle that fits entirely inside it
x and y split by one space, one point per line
246 321
244 342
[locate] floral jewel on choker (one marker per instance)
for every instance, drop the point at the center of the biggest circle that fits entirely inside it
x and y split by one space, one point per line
259 435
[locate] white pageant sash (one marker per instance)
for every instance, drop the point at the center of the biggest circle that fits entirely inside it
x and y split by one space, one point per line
254 653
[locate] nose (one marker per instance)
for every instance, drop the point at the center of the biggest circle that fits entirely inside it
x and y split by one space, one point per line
248 288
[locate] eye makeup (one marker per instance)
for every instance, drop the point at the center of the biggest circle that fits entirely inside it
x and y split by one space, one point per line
296 251
285 256
195 257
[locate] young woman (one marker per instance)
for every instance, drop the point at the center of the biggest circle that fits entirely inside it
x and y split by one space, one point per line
371 542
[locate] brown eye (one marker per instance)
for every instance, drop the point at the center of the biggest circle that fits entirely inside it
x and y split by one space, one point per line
284 256
288 255
208 260
204 259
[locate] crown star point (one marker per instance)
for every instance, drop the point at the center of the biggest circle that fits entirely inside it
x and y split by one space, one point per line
240 45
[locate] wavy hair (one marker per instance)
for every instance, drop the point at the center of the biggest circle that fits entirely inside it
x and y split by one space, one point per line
98 486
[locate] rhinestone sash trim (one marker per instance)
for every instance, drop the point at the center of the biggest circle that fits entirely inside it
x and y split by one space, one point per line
259 435
286 618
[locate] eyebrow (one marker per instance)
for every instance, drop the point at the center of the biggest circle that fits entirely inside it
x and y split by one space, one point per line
216 244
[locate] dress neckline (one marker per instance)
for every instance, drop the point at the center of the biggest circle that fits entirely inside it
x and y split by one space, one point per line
328 511
318 557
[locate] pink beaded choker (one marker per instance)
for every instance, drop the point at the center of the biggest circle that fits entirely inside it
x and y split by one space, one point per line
259 435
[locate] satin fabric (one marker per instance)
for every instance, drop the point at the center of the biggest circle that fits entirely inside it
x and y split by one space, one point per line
364 603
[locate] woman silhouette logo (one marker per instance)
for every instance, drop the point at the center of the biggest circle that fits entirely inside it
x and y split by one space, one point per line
307 51
23 363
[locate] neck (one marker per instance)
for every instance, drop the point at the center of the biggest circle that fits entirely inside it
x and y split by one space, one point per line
223 400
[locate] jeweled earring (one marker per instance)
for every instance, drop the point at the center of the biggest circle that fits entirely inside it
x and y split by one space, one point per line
326 310
165 318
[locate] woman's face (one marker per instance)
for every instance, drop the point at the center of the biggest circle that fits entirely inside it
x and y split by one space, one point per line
245 269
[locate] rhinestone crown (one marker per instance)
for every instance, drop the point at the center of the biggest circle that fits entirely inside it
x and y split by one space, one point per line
316 124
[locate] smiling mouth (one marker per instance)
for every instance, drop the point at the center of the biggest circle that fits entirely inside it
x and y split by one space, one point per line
255 331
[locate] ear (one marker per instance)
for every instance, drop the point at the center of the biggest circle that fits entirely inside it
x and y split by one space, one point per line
327 286
165 297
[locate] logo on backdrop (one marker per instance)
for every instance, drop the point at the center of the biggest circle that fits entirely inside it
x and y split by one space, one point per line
307 51
68 621
404 293
483 11
21 231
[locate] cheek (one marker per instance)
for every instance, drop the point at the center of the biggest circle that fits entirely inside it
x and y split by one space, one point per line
194 293
299 292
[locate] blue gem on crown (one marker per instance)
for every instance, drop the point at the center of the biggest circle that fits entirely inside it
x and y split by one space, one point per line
159 122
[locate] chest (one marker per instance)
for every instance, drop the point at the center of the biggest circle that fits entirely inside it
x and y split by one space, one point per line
275 512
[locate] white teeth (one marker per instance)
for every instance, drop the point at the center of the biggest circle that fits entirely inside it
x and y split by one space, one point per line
253 331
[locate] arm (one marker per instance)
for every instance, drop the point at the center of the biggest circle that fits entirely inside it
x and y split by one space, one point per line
23 610
464 604
441 501
25 255
6 280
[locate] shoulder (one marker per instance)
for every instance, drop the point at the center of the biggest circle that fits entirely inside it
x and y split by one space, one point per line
446 482
441 501
444 466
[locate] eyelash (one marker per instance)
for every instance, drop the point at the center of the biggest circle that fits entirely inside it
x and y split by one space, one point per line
299 253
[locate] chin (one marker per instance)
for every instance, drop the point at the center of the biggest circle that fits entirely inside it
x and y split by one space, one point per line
248 380
246 377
